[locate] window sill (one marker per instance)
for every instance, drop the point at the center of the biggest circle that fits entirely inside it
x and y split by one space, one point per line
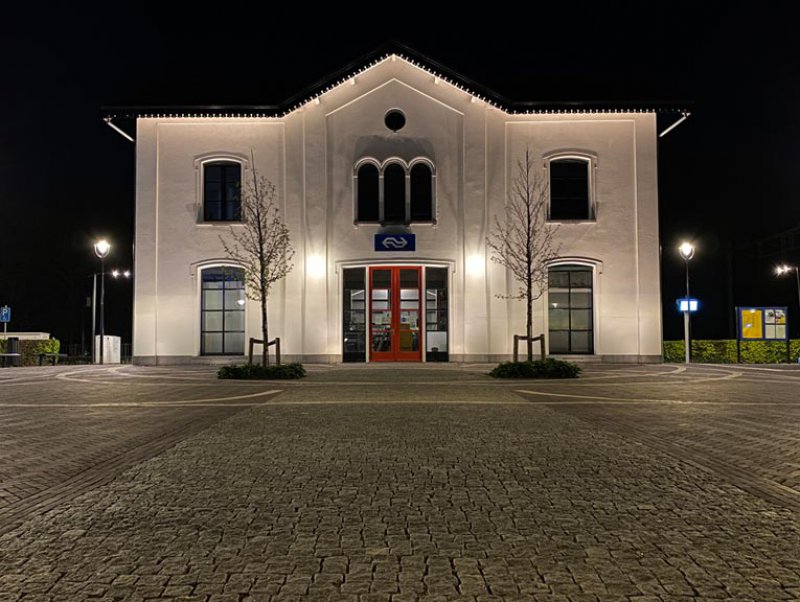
402 224
585 220
220 223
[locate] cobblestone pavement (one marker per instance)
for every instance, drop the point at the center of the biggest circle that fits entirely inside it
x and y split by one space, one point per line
387 485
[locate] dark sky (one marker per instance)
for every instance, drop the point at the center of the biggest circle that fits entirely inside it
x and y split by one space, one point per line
727 175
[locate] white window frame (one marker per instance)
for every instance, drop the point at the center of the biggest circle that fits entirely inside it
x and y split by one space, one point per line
596 266
199 166
197 270
591 166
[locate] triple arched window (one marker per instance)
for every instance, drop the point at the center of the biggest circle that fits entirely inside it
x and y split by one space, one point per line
394 192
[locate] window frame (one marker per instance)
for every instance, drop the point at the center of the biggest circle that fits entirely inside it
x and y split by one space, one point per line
407 167
201 307
200 164
591 167
596 267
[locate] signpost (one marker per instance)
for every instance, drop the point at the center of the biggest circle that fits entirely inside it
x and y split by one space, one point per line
5 317
687 305
761 324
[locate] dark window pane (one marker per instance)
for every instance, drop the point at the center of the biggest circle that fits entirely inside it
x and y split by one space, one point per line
581 279
222 332
559 341
221 185
409 279
559 318
559 279
421 193
394 194
367 193
581 341
436 339
381 279
569 189
354 316
212 343
580 300
570 310
212 212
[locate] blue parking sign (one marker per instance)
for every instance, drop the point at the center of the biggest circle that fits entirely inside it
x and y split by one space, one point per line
5 314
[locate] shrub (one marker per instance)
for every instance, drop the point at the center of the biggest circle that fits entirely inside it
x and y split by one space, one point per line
30 350
259 372
548 368
723 351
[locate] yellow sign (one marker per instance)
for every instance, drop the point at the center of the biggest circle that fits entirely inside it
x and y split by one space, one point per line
752 323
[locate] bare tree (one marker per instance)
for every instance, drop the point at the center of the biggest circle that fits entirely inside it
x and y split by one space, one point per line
261 245
522 240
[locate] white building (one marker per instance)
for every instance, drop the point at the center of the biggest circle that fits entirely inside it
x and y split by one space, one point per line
396 145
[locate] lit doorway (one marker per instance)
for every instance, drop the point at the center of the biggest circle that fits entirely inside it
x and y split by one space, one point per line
395 314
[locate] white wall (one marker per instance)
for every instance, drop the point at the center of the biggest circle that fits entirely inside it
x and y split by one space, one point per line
310 154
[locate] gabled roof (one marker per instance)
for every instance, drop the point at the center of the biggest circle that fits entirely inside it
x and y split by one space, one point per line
413 57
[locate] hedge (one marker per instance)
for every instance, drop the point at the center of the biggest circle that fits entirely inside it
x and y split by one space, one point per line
548 368
723 351
259 372
30 350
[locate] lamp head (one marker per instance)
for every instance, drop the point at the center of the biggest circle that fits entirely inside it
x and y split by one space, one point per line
784 269
686 250
101 248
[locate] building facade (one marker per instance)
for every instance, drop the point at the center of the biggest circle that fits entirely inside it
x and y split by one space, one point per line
390 178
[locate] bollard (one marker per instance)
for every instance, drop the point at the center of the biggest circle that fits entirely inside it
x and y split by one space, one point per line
13 346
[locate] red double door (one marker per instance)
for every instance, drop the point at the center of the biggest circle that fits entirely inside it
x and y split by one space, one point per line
395 332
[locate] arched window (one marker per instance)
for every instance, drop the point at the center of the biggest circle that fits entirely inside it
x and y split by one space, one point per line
394 193
570 192
570 308
368 193
221 183
222 301
421 193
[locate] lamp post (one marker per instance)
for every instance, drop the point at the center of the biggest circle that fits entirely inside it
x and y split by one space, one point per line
785 269
101 249
687 252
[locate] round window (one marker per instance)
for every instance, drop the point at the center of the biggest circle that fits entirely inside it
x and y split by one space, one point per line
394 120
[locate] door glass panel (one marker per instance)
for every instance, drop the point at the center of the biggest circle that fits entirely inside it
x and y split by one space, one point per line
354 319
381 311
436 313
408 334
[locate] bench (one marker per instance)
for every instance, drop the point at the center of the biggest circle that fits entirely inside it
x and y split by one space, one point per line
5 357
52 357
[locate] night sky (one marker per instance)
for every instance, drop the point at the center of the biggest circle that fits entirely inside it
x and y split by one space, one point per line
727 175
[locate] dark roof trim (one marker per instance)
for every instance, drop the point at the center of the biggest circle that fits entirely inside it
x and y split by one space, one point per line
373 58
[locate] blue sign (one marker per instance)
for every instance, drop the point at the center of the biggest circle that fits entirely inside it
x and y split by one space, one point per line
5 314
689 305
395 242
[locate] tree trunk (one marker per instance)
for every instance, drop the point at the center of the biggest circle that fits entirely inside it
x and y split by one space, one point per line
264 332
530 324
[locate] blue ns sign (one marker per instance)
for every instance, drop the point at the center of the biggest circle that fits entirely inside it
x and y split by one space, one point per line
395 242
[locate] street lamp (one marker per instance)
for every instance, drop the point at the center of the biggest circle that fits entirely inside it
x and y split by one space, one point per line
785 269
687 252
101 249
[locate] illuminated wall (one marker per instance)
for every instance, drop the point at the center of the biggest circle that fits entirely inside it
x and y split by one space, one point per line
310 154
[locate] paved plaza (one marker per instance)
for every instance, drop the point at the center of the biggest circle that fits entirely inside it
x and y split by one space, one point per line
400 483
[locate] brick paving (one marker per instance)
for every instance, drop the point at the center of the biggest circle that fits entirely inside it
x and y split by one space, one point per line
419 485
